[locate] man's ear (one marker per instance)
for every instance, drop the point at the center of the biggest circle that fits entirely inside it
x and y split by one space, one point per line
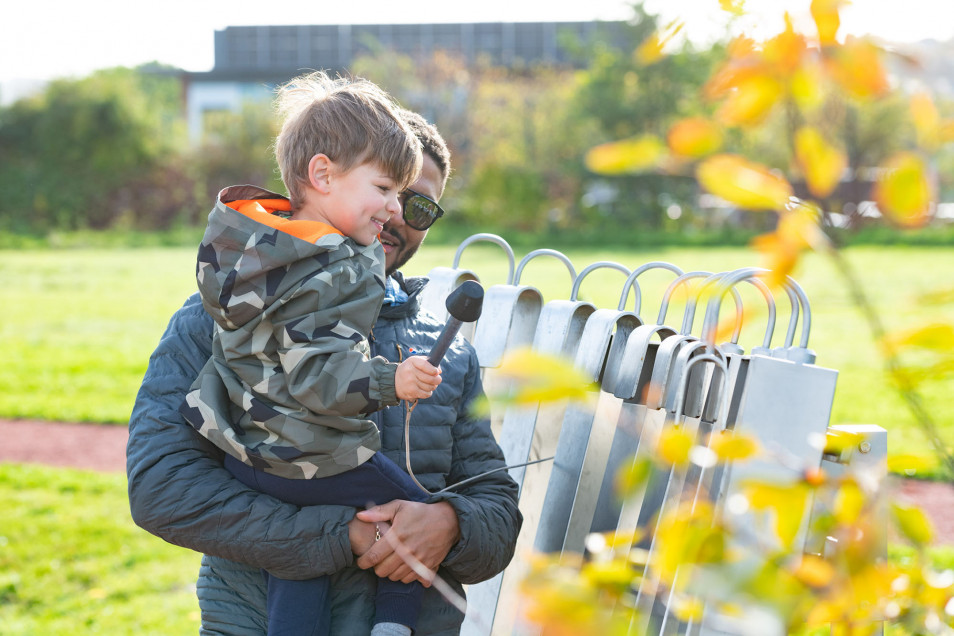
320 169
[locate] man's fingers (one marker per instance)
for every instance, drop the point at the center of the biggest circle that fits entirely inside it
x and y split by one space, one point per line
384 512
379 552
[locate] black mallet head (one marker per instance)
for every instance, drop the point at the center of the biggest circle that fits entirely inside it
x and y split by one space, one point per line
465 302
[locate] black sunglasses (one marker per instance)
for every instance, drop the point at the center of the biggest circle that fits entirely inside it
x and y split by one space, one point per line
420 211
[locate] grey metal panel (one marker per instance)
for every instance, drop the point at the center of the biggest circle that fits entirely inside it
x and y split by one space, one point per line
530 433
567 477
508 320
786 406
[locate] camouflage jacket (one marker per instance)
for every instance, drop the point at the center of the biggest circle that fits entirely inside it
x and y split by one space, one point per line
290 380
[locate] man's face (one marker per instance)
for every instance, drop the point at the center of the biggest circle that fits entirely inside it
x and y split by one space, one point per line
399 240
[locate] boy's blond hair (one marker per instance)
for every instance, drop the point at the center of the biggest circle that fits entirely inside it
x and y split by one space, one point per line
351 121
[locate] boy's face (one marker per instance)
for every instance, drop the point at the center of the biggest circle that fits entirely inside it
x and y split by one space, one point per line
400 240
359 202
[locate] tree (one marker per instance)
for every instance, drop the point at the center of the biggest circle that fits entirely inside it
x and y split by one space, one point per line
65 152
634 91
821 92
235 148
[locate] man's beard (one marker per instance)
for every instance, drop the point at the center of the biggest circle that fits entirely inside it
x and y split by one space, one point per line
404 255
401 250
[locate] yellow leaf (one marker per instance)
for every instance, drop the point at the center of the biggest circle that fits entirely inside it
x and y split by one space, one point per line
913 524
735 7
824 611
688 609
729 446
787 503
849 502
827 20
935 337
633 476
615 575
909 464
651 49
822 164
750 100
799 224
694 137
627 156
541 378
785 51
674 445
904 192
743 183
927 120
621 538
798 229
779 256
814 571
857 67
838 441
687 535
805 86
740 47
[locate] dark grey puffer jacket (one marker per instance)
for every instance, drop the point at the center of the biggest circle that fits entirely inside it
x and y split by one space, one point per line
179 491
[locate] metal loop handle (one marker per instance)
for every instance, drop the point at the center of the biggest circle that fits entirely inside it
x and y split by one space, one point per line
793 317
631 283
720 363
730 280
589 268
544 252
492 238
689 313
680 280
760 285
806 311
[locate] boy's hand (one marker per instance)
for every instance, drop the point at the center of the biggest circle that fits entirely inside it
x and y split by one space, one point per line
416 379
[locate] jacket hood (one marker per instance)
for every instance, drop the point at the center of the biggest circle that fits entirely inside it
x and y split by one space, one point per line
247 260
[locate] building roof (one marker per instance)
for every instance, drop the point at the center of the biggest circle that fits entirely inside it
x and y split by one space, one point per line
275 53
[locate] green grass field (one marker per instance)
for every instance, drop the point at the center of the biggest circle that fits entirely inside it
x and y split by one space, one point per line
72 561
79 324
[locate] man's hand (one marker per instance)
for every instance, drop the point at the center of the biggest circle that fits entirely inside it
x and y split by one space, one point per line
427 531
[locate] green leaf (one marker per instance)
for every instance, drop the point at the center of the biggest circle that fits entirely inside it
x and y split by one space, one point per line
913 524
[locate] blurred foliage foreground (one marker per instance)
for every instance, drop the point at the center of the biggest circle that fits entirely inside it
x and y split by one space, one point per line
781 555
741 562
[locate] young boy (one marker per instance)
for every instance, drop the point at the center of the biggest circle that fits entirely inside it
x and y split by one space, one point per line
294 286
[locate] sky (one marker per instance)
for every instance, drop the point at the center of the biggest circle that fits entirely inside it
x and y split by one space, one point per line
43 39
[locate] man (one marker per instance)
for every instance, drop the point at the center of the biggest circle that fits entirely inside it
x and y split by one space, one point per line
179 490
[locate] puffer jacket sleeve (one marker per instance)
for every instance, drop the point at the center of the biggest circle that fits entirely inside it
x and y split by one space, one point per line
179 491
487 507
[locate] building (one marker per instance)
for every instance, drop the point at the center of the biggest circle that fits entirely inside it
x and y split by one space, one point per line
251 60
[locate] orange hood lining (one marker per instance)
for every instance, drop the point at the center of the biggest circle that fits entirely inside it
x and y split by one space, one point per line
263 211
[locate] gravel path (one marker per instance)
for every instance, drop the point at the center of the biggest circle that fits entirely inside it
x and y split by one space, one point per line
102 447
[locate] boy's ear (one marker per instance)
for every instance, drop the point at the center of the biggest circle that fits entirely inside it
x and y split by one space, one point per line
320 169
